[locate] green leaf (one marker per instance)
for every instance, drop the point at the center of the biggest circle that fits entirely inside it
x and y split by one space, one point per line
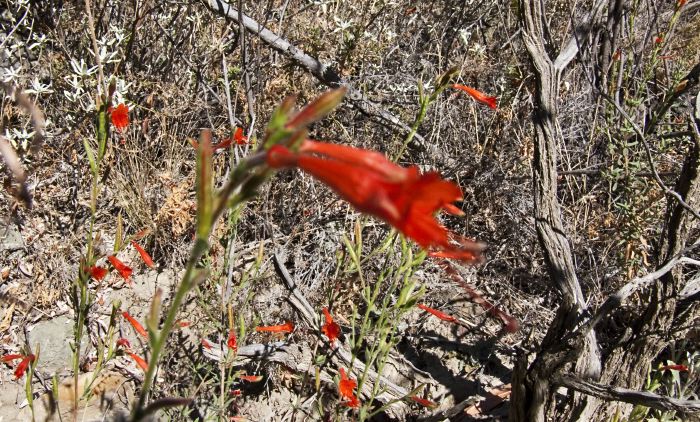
205 185
90 156
102 131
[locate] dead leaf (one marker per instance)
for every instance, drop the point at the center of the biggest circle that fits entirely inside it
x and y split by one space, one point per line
493 398
7 318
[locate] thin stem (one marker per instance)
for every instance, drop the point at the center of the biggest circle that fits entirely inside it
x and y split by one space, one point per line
200 247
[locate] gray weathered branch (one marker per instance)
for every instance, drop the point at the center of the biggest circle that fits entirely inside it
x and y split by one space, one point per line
531 396
637 283
642 398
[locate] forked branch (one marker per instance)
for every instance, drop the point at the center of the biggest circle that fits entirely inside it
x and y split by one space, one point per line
642 398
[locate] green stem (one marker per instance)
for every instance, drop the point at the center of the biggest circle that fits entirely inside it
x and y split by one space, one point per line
200 247
414 128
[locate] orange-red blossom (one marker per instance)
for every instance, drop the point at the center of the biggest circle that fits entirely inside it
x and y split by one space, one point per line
237 137
443 316
680 368
424 402
330 328
287 327
134 323
144 255
23 365
346 386
477 95
141 362
232 343
120 116
402 196
123 269
96 272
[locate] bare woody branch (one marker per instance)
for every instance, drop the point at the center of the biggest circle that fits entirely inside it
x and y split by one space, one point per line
642 398
625 291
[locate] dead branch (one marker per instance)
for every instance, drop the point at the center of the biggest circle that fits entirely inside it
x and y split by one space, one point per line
452 412
552 237
625 291
642 398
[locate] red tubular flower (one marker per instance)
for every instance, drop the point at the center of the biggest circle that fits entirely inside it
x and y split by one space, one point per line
232 343
144 255
122 342
239 138
284 328
120 116
251 378
123 269
22 367
98 273
206 344
346 386
10 358
139 361
423 402
330 328
134 323
443 316
477 95
680 368
401 196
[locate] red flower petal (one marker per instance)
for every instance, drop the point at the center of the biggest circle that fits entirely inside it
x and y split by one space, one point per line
477 95
123 269
443 316
221 145
239 138
139 361
330 328
134 323
346 385
22 367
10 358
423 402
144 255
284 328
120 116
251 378
122 342
354 402
680 368
206 344
232 343
403 197
98 273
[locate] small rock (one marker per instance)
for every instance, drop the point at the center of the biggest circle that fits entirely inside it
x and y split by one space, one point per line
55 337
